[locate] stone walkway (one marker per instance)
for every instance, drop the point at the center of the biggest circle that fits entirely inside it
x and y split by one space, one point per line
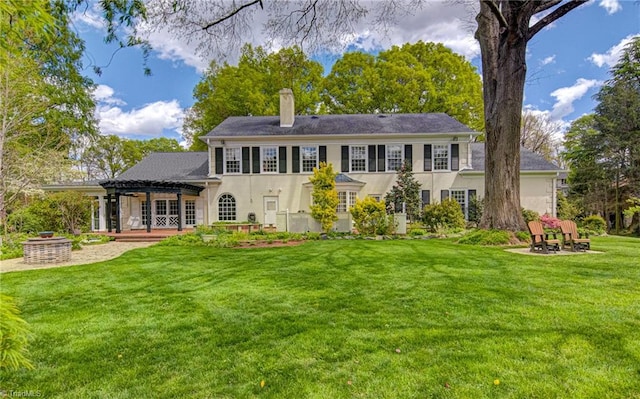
88 254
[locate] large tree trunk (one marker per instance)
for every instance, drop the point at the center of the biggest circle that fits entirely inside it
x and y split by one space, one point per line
503 33
504 71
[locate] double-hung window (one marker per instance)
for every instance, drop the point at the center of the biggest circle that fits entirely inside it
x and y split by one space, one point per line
347 199
309 158
269 159
232 160
394 157
358 158
441 157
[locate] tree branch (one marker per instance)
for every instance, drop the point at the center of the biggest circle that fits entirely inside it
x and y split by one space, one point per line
556 14
231 14
546 5
497 13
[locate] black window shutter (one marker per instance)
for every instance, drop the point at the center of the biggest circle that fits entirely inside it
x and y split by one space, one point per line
444 194
382 153
427 157
219 161
295 162
246 161
345 159
408 154
282 159
426 197
455 157
322 153
255 159
372 158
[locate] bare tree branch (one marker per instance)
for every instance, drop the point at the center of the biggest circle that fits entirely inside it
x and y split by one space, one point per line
231 14
545 5
554 15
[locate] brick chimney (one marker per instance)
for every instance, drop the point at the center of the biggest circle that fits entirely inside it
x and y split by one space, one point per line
287 108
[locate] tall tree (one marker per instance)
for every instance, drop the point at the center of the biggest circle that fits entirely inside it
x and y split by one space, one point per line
44 100
587 178
504 29
109 156
419 77
251 88
618 120
352 85
538 135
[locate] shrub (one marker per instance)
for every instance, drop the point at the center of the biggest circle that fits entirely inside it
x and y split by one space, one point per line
550 222
312 236
183 240
594 223
25 221
486 237
476 208
417 232
325 196
529 215
370 217
14 332
567 210
12 245
446 215
523 236
66 211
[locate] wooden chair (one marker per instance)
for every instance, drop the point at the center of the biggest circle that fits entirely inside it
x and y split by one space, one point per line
541 241
572 239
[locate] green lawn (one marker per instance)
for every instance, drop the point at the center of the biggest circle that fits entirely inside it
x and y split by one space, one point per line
335 319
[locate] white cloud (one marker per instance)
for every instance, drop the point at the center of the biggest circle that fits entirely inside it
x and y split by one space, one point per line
566 96
170 47
612 6
90 17
104 94
548 60
611 57
150 120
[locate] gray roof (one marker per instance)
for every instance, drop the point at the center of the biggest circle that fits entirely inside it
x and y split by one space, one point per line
240 126
342 178
529 160
169 166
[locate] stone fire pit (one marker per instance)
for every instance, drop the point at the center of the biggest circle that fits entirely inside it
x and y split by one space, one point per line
46 250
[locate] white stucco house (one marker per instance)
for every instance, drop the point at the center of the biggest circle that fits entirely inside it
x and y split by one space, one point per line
258 168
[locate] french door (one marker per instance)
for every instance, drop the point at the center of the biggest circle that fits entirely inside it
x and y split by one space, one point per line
165 213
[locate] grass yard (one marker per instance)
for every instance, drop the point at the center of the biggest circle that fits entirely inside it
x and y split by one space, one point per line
335 319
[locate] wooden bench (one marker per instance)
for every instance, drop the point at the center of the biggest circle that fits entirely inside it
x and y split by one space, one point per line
541 241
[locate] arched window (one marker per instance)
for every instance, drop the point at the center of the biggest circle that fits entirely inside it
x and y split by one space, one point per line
227 208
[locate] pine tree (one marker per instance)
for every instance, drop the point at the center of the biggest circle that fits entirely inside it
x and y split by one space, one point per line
407 192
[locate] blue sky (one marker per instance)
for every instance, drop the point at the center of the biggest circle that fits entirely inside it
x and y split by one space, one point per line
567 63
